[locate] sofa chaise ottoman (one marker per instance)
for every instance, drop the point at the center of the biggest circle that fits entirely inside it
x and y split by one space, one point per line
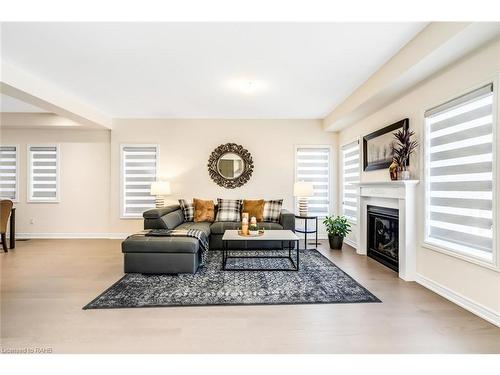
144 254
157 255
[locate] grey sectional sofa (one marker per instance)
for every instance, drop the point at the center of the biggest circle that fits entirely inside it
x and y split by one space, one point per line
144 254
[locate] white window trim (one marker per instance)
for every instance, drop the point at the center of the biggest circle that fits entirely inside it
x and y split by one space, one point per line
122 173
29 199
341 196
17 169
494 262
330 165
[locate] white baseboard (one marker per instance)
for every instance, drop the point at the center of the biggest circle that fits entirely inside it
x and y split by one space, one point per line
462 301
118 236
72 235
311 238
351 243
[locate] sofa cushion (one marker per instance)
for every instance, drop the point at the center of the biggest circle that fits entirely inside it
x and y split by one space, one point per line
220 226
203 226
254 208
270 226
157 213
228 209
272 210
173 219
203 210
144 244
187 209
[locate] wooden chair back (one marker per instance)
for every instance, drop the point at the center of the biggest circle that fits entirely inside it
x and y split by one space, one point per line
5 208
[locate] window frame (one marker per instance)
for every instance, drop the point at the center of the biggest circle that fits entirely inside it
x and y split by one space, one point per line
330 166
492 263
341 210
16 200
122 175
29 198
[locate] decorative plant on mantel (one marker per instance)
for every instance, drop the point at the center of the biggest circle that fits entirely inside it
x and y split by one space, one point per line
403 149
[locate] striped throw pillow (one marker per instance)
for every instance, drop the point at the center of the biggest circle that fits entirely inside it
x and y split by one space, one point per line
228 209
272 211
187 209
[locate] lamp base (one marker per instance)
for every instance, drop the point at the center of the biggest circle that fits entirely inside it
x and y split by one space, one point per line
159 202
302 206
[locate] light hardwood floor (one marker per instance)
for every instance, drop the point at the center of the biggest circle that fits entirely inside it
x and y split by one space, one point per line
45 283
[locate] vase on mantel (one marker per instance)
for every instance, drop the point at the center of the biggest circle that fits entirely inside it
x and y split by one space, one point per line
393 170
403 174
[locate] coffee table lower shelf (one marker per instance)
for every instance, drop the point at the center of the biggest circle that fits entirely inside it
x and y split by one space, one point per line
226 254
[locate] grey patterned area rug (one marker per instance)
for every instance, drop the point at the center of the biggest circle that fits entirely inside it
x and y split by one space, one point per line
317 281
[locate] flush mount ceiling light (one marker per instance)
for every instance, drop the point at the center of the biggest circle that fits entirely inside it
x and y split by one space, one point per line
247 86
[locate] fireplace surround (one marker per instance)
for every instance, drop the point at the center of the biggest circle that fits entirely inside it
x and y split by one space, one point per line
400 196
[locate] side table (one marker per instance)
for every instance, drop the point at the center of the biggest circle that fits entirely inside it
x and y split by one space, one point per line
310 231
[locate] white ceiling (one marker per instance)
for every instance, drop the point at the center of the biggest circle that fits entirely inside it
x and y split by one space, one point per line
193 70
10 104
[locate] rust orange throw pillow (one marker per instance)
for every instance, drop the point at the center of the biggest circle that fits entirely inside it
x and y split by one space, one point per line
203 210
254 208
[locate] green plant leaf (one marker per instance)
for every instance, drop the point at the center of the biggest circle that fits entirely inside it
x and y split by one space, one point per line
337 226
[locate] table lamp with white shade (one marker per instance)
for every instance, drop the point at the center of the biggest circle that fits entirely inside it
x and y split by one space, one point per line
160 189
303 190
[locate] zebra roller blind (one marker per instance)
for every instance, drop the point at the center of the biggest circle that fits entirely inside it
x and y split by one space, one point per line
313 165
43 180
459 174
139 165
8 172
350 175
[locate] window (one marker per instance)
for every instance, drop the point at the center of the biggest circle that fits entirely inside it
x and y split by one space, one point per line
350 175
139 166
9 172
43 173
459 174
313 165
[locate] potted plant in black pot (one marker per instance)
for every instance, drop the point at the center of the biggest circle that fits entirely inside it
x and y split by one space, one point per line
337 228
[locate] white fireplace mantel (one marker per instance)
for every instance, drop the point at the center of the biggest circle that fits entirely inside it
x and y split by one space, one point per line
401 196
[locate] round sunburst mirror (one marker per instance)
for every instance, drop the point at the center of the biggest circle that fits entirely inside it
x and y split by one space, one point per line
230 165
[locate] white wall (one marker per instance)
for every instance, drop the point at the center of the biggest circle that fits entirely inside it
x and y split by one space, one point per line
478 285
90 168
84 182
185 146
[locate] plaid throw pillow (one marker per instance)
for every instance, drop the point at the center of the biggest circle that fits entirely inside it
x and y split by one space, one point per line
187 209
228 210
272 210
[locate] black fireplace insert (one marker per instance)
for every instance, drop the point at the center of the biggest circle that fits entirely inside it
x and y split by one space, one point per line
383 235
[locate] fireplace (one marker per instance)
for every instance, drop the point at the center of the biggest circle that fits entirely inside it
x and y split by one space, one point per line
383 235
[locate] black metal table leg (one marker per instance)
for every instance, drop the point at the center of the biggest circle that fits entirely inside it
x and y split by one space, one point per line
298 252
227 255
316 233
12 240
305 235
224 245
